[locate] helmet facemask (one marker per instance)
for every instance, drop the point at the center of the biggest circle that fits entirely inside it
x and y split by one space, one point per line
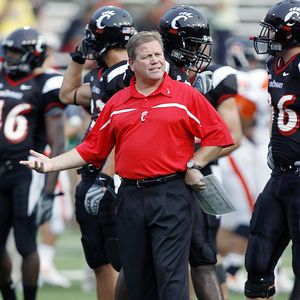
197 52
265 43
90 47
186 37
19 63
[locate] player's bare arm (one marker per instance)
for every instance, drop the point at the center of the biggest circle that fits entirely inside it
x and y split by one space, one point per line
73 91
109 165
54 124
229 112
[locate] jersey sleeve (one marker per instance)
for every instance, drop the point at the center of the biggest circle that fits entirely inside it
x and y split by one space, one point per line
224 85
50 94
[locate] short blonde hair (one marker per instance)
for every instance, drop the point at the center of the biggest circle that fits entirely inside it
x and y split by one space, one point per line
140 38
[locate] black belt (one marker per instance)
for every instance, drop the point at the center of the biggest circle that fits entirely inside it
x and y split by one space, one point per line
288 167
148 182
8 166
88 169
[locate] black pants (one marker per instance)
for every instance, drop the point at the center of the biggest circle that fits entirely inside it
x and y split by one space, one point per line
275 221
15 200
203 245
154 228
92 238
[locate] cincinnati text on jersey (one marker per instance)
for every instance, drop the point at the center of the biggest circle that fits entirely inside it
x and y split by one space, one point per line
275 84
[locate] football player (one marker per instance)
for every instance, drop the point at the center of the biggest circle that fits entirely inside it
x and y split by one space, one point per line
271 230
187 43
31 115
105 42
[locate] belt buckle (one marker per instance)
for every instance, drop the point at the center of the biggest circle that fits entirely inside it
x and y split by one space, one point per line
285 168
282 168
140 181
90 168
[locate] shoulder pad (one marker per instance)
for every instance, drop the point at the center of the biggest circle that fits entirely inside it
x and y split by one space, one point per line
52 83
221 73
117 71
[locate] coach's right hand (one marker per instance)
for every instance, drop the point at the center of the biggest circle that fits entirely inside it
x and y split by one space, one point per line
41 163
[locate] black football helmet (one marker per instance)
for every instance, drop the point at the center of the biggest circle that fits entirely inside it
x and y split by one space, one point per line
186 37
280 28
109 27
30 47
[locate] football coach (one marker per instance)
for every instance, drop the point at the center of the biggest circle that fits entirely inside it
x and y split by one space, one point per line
152 124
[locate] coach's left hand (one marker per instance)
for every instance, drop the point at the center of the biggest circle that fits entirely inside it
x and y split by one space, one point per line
195 179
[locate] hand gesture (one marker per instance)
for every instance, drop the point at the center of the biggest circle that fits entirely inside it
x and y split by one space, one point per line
41 163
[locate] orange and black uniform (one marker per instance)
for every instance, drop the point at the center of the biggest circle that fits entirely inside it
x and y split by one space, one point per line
154 138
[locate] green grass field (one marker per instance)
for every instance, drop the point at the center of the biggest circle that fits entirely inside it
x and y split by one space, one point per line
69 260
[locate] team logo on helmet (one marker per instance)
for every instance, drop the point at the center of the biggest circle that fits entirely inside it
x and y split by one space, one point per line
40 44
105 15
181 15
292 16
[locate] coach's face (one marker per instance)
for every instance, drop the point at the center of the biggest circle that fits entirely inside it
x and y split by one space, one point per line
149 64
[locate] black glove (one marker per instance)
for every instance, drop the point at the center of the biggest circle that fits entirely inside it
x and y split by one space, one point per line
203 82
96 192
78 55
44 208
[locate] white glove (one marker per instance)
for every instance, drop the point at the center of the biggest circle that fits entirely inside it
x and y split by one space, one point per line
203 82
44 208
96 193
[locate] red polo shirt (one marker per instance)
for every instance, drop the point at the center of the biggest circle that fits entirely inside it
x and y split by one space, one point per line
154 134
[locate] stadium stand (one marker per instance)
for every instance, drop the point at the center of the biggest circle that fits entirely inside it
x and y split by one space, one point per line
57 14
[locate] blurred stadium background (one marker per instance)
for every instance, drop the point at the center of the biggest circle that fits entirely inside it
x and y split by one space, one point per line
53 18
238 17
56 13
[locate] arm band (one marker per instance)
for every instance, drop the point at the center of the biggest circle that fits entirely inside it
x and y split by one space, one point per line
75 97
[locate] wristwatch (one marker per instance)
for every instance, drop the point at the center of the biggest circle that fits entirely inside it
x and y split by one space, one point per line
191 164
